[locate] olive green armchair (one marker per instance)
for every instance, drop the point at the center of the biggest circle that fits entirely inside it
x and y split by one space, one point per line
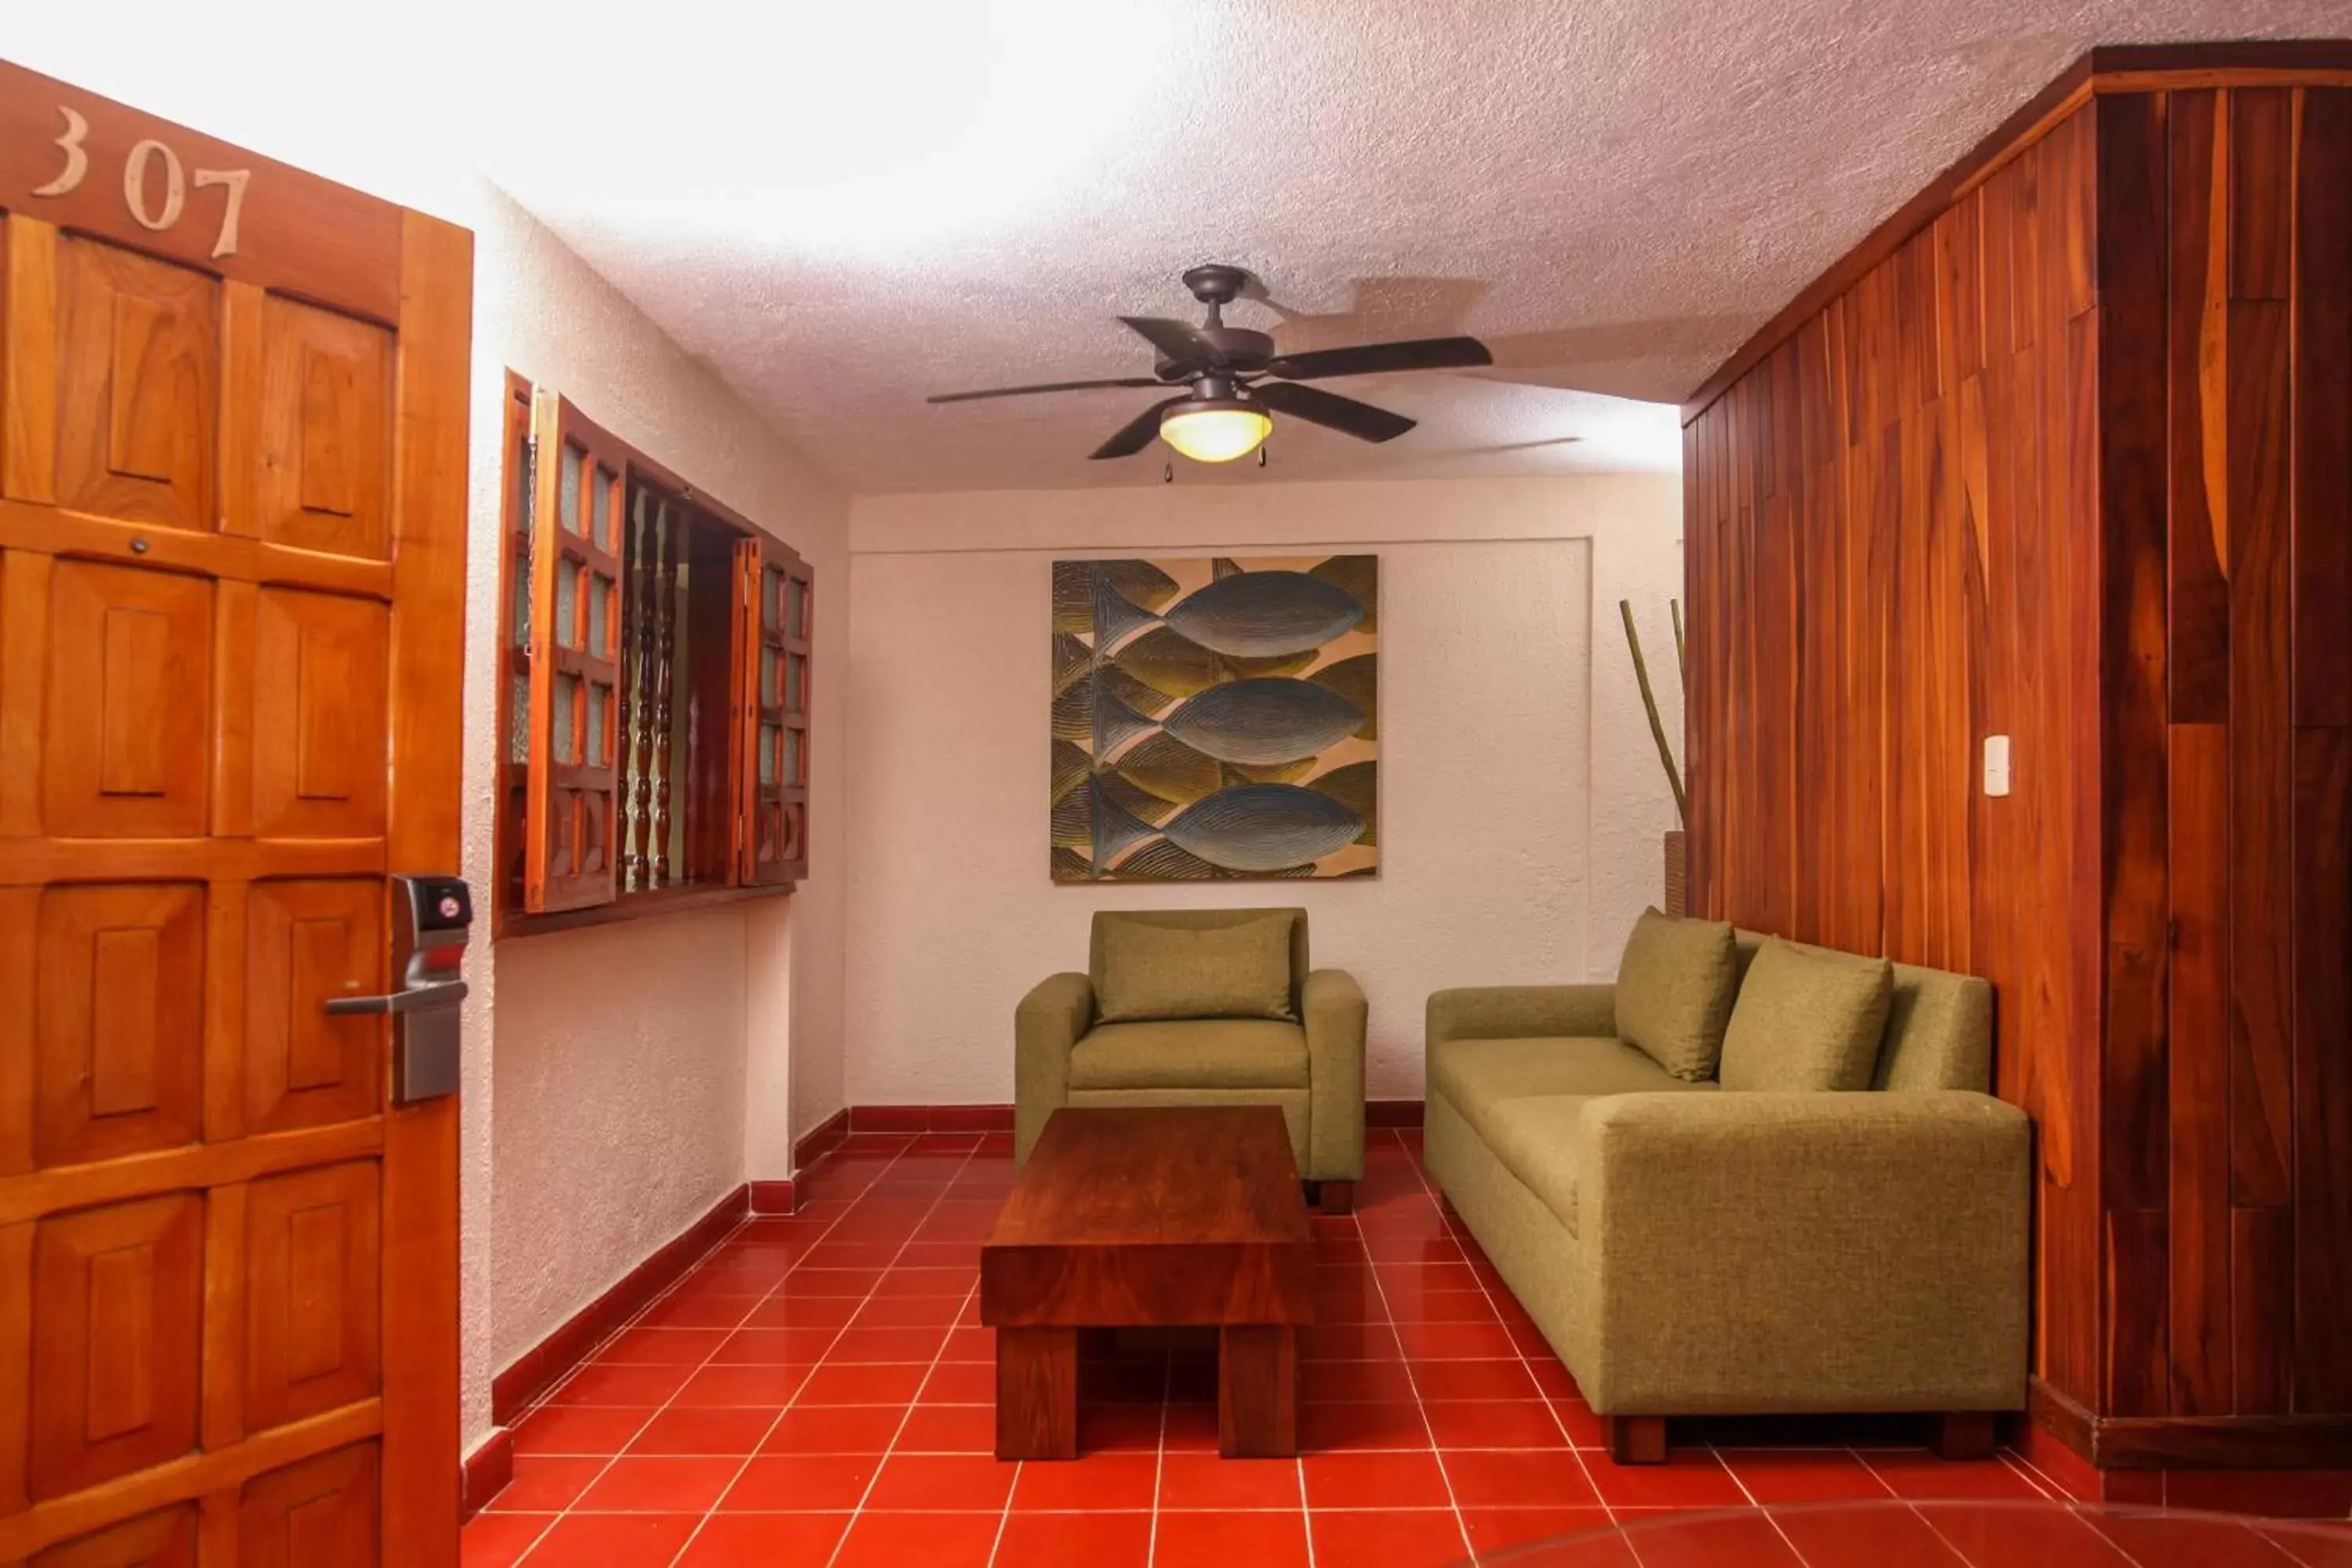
1304 1051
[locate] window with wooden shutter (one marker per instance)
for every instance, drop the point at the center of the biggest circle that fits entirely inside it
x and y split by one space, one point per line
653 706
772 846
580 482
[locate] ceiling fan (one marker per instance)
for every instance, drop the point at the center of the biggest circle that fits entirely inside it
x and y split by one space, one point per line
1233 381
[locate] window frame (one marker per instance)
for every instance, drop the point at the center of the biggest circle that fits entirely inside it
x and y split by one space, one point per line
717 793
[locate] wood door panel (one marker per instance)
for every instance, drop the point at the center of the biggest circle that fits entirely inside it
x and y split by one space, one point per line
322 669
118 1035
322 1510
164 1540
138 385
325 479
125 749
117 1295
306 942
313 1339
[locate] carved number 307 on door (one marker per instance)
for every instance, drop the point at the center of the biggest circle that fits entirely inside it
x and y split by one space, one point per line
157 216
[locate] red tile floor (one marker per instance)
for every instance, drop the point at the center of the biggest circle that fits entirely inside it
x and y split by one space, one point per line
816 1395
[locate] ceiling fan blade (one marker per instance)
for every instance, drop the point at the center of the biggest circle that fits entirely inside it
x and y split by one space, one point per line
1367 358
1137 433
1045 386
1178 341
1316 406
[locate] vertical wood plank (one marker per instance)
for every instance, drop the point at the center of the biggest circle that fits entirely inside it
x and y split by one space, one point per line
241 375
2135 1301
2199 633
2262 1249
28 364
24 677
222 1418
2262 211
2322 504
2198 1069
2323 1069
16 1363
19 957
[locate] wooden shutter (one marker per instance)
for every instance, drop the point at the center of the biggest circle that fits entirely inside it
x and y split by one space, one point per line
773 630
580 483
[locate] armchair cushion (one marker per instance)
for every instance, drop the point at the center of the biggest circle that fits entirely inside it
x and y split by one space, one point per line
1149 971
1192 1053
1808 1018
1674 987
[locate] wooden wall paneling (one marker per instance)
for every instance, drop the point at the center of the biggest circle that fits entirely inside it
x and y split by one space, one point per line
2322 397
2197 1070
2131 702
2257 393
2198 606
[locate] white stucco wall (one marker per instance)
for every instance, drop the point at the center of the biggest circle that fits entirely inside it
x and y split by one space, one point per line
621 1080
1522 801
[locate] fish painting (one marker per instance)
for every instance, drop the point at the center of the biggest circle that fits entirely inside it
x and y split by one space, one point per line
1215 718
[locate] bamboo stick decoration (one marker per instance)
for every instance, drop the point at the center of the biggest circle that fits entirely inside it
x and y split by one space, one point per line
1650 704
1682 665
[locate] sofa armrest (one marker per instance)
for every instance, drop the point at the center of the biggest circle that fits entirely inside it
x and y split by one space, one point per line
1748 1251
1049 1022
1332 1005
1522 1012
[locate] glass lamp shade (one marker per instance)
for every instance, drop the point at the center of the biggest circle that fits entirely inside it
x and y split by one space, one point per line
1215 430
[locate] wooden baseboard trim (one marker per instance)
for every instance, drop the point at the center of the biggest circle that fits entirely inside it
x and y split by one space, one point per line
774 1198
820 1140
531 1373
930 1118
487 1471
1391 1113
2192 1442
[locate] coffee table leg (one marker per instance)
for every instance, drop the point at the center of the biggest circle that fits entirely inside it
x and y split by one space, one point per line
1036 1394
1257 1390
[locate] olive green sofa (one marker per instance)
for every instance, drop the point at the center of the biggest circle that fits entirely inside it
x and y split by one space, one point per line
1689 1249
1310 1064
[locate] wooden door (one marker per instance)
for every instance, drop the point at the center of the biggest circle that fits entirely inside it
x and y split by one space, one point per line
232 494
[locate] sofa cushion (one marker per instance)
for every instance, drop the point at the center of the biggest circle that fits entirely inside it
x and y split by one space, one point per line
1536 1138
1476 1074
1674 987
1192 1053
1237 971
1808 1018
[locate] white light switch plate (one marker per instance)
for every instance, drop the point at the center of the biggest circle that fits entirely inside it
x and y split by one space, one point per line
1996 764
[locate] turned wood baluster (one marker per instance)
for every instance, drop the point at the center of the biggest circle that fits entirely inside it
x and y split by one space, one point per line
668 544
645 741
633 704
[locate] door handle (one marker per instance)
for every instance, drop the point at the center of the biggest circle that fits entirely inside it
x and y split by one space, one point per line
432 996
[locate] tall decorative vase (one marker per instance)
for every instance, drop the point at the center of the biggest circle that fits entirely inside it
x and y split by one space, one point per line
1677 889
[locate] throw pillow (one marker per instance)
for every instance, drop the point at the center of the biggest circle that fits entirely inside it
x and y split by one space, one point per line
1239 971
1808 1018
1673 991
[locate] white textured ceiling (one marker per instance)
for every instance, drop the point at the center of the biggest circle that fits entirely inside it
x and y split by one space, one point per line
846 207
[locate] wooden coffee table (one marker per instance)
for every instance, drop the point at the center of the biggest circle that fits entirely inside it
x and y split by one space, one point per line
1157 1215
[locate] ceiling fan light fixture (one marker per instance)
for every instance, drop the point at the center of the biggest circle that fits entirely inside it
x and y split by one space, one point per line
1215 429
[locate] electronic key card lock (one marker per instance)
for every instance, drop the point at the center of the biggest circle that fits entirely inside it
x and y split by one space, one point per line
435 916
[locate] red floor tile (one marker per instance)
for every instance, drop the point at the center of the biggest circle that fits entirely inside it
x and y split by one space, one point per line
1804 1475
1420 1304
1100 1427
767 1541
545 1484
1375 1481
1332 1428
1388 1538
766 1344
1354 1382
770 1387
1747 1539
1691 1477
1207 1482
950 1429
828 1284
579 1430
500 1539
1233 1540
1493 1530
919 1541
2179 1542
1079 1540
600 1384
2041 1537
1919 1475
934 1481
2281 1494
1864 1537
787 1483
836 1429
907 1312
1488 1340
613 1541
1473 1379
1089 1484
659 1486
686 1430
861 1385
663 1347
1485 1477
1494 1424
963 1382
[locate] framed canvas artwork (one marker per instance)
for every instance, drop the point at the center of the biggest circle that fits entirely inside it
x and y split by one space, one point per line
1216 718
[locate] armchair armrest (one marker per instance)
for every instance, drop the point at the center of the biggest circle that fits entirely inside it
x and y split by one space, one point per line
1518 1012
1748 1251
1332 1007
1048 1023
